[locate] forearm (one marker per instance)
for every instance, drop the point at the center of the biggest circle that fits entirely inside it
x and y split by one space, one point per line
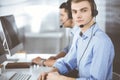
54 70
66 78
61 54
49 63
57 76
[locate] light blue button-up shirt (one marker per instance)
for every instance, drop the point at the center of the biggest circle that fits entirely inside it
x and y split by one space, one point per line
72 32
92 54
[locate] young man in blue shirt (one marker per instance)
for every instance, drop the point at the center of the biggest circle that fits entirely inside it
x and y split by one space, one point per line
92 51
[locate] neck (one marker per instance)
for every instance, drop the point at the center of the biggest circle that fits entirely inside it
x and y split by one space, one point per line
87 26
71 24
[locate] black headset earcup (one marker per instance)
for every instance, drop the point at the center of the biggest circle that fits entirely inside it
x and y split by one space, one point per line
94 9
69 9
70 15
95 13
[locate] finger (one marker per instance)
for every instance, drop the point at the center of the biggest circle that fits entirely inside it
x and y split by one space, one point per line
40 77
44 76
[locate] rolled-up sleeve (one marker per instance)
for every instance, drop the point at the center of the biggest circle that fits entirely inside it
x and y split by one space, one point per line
69 62
66 49
59 64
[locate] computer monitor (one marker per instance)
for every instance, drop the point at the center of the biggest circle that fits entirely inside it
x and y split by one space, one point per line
10 32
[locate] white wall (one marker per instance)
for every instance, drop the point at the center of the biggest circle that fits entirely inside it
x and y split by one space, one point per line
101 17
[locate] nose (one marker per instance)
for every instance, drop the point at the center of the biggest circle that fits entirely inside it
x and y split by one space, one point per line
78 15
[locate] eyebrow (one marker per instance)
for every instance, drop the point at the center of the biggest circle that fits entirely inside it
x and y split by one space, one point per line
81 9
84 8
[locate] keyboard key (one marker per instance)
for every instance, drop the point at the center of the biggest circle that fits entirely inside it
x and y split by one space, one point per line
20 76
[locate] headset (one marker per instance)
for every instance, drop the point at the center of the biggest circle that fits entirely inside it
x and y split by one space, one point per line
94 14
67 6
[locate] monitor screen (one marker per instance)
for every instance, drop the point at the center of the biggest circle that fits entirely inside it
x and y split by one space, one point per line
10 32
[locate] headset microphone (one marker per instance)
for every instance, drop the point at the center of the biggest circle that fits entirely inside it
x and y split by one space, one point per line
61 26
81 26
63 23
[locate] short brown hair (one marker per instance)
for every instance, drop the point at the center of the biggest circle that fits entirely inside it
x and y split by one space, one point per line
64 5
92 4
67 7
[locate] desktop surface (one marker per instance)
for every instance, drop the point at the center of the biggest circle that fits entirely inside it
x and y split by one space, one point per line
27 57
33 70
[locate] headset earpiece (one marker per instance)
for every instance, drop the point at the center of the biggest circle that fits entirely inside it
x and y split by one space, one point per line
70 15
68 4
95 13
94 9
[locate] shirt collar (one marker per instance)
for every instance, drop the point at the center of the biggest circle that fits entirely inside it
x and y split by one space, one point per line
90 32
74 30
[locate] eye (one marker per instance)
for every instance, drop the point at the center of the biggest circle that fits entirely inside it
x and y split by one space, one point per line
84 10
61 15
74 11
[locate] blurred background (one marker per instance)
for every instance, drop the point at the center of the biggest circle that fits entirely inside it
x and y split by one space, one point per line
39 25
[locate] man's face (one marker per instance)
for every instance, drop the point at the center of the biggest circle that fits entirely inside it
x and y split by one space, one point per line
63 16
81 12
65 21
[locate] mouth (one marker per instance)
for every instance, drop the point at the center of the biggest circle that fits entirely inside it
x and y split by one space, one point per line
79 21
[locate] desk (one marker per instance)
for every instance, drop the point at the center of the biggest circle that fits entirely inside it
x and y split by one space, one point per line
34 71
27 57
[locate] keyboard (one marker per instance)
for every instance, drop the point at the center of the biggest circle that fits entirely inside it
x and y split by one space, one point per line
20 76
